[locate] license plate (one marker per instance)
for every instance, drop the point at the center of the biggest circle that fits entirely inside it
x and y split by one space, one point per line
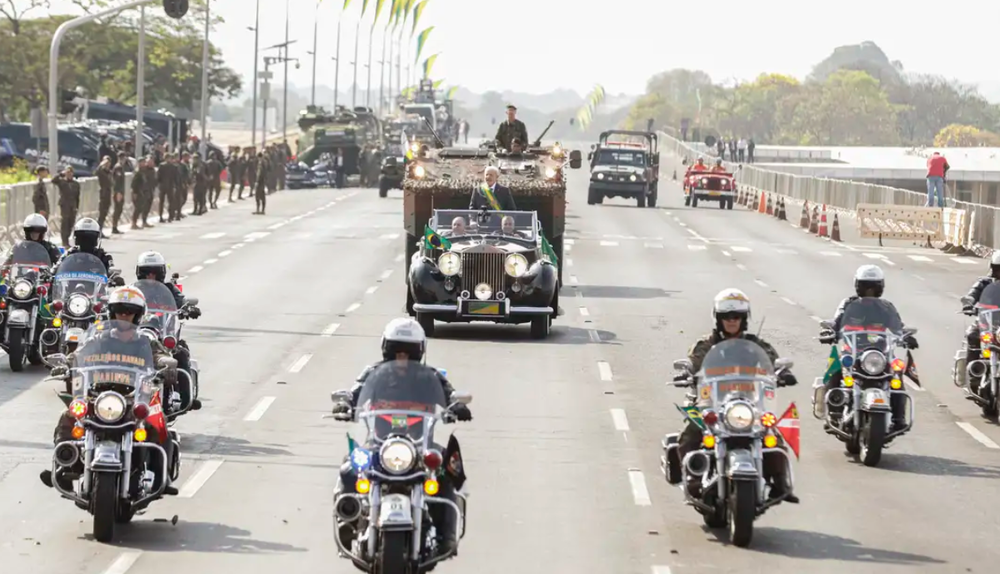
483 308
714 192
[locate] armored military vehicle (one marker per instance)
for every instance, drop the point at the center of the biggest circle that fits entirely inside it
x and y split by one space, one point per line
347 130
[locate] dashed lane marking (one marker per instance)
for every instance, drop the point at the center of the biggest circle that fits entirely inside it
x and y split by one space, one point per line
920 258
697 247
195 269
124 561
789 301
653 245
353 307
299 364
609 244
741 267
211 261
199 478
259 409
398 258
831 253
761 283
727 254
278 225
965 260
584 312
594 335
385 274
371 290
256 235
225 253
639 491
874 255
569 241
239 246
620 420
740 249
569 263
573 279
605 369
390 236
978 435
815 318
661 570
215 235
330 330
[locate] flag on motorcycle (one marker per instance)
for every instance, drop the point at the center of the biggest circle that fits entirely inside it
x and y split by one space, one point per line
788 426
911 368
833 366
432 239
693 415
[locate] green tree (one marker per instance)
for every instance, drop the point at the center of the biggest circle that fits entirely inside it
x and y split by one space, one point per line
15 11
958 135
849 108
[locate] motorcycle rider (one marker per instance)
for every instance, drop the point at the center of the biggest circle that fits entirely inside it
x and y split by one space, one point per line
153 266
972 334
35 227
87 239
404 340
731 311
869 281
125 305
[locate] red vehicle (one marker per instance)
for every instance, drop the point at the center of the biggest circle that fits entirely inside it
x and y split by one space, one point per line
709 186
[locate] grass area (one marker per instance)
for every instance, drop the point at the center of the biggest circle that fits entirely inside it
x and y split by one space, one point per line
17 174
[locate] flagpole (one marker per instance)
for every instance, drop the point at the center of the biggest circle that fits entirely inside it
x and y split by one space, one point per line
392 94
354 89
368 92
381 78
399 60
336 73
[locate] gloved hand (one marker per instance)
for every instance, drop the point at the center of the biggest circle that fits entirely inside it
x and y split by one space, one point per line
911 343
827 337
680 377
194 312
117 281
462 412
787 379
342 412
969 310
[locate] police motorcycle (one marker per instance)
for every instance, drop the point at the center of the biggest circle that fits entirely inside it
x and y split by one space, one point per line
986 368
163 323
387 515
871 337
79 296
24 289
735 398
119 431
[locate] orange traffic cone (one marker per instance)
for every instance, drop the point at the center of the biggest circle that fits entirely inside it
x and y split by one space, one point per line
835 232
762 205
804 220
823 231
814 222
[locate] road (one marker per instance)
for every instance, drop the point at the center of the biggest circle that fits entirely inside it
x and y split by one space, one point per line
563 452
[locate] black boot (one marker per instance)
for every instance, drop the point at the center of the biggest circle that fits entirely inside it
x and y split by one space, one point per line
778 489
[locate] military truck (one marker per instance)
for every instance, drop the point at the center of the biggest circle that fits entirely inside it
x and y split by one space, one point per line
347 130
439 113
445 178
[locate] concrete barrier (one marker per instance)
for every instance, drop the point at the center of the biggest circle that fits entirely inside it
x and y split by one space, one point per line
900 222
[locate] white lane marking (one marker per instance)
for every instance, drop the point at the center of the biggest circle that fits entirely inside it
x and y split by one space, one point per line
390 236
330 330
215 235
299 364
661 570
256 235
761 283
211 261
199 478
371 290
920 278
874 255
789 301
238 246
682 224
654 245
639 491
920 258
195 269
815 318
740 249
584 312
978 435
259 409
573 279
887 262
609 244
727 254
398 258
385 274
569 241
964 260
225 253
278 225
353 307
831 253
667 213
568 248
697 247
569 263
605 370
124 561
620 420
594 335
741 267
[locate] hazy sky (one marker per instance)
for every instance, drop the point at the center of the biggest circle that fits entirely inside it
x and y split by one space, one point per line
539 45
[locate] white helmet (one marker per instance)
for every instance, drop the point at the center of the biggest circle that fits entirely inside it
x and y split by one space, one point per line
994 260
403 335
35 222
869 277
151 262
87 233
731 301
127 300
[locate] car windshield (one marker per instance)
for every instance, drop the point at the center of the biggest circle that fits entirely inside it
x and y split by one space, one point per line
870 322
736 369
161 308
516 224
620 157
27 259
989 307
113 356
80 273
400 398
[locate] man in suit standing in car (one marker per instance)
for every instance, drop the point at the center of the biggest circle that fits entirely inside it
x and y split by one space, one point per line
491 194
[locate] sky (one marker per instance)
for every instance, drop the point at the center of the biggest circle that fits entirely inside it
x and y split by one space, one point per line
537 46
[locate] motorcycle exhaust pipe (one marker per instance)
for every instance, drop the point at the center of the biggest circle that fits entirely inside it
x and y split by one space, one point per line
838 398
976 368
67 455
348 508
697 464
49 337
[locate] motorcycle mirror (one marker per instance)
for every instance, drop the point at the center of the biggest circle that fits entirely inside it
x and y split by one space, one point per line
192 301
340 396
683 365
464 398
784 364
907 331
826 325
114 271
175 276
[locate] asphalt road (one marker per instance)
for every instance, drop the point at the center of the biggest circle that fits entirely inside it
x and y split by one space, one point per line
563 452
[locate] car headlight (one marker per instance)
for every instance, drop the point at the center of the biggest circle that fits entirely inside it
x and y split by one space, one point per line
632 177
397 456
556 151
600 176
739 417
515 265
873 362
450 263
78 305
109 407
704 181
483 291
22 289
419 172
550 173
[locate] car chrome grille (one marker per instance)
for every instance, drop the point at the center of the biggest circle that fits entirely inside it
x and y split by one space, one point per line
483 268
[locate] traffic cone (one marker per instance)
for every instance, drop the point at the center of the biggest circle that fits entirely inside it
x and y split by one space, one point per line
835 232
804 220
675 175
814 222
762 204
782 216
823 231
777 208
770 204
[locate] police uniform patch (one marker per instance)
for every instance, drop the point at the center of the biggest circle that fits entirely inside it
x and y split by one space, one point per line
706 392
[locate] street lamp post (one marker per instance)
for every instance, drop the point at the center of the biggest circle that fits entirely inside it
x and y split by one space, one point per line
368 91
140 86
284 103
354 89
256 56
336 73
203 148
315 37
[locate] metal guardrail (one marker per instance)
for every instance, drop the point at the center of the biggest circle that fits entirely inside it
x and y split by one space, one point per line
980 223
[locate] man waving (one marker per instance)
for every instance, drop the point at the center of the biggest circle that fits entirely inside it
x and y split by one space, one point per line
492 195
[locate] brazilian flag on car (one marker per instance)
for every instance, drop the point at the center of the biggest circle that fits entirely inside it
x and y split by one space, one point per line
548 252
432 240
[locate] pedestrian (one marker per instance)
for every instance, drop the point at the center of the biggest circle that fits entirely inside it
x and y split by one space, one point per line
69 202
235 165
741 149
750 147
263 175
937 170
138 187
251 164
40 197
106 181
118 175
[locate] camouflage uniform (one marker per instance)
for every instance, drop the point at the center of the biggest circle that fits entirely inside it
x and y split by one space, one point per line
508 131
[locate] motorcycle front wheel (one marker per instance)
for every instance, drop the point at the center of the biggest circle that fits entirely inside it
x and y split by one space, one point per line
104 503
16 349
393 553
872 438
742 512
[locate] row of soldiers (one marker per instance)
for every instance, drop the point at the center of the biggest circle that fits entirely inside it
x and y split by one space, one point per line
264 172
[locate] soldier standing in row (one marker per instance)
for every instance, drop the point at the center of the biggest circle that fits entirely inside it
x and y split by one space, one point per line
118 175
40 197
138 193
250 172
149 190
106 181
236 166
263 175
184 184
199 173
165 175
214 168
69 202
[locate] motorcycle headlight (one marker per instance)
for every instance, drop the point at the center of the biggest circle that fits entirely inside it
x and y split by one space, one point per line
515 265
109 407
450 263
483 291
78 305
739 417
22 289
873 362
397 456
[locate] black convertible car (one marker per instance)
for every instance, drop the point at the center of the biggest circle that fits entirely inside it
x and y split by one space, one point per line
484 266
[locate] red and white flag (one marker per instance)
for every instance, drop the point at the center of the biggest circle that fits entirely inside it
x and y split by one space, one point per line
788 426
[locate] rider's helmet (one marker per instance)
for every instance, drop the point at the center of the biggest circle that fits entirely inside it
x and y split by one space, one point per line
994 263
151 262
869 277
403 335
35 223
87 234
730 304
127 300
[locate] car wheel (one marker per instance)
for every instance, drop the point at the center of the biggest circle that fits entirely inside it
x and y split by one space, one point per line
541 326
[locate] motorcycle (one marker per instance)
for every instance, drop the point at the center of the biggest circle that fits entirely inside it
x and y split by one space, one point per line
25 286
163 323
986 368
859 411
735 398
79 294
385 522
119 432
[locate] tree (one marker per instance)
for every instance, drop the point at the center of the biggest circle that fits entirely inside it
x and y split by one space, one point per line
863 57
15 10
958 135
849 108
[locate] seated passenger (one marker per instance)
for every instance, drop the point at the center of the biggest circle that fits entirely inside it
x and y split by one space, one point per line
699 165
457 228
718 167
516 147
507 227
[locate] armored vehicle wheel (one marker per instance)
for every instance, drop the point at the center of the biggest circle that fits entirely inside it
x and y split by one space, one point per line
687 201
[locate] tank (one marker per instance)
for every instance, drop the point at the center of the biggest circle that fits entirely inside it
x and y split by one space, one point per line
350 130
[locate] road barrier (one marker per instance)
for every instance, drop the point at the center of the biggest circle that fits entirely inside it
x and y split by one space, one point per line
900 222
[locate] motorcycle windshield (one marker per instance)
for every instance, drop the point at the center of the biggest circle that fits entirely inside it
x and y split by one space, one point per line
161 308
400 398
736 369
114 357
27 259
869 322
80 274
989 307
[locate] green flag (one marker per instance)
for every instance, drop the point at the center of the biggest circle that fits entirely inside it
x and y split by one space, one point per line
832 364
378 10
693 415
548 252
346 4
451 92
432 240
421 39
429 63
351 445
417 11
